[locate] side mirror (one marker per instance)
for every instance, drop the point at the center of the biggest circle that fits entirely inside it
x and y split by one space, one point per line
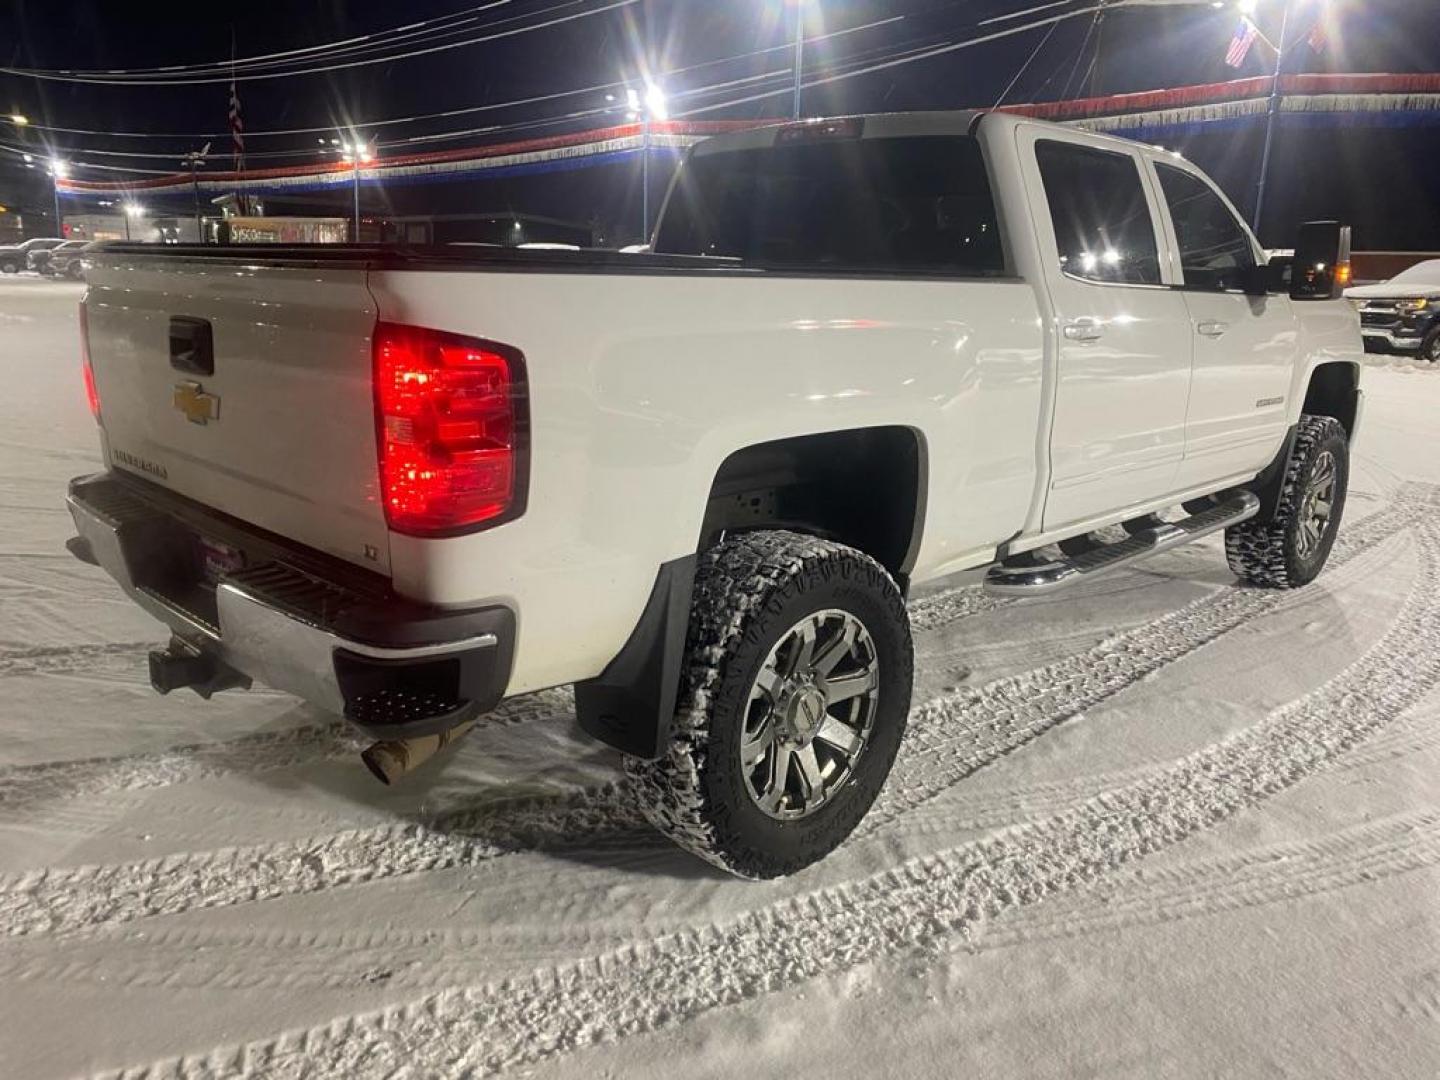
1322 261
1280 269
1257 280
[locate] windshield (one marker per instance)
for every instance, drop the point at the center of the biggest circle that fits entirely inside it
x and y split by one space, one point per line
904 204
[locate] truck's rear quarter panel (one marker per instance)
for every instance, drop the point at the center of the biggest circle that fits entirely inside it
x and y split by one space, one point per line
641 384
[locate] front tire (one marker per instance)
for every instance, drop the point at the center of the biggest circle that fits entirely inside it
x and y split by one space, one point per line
793 701
1430 347
1290 548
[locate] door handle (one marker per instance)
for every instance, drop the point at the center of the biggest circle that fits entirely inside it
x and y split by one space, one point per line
1211 328
1083 330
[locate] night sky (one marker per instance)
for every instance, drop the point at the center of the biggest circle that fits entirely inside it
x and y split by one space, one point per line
1140 48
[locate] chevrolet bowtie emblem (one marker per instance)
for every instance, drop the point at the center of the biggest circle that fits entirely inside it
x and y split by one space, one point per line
198 406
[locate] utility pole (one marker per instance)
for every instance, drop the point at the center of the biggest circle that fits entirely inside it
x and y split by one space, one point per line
356 174
195 192
646 108
799 55
58 171
645 182
355 153
1270 116
196 158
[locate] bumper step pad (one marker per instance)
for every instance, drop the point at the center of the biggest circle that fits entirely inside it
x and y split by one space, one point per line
403 710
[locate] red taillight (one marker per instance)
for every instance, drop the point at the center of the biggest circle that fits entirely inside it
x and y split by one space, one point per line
86 371
451 428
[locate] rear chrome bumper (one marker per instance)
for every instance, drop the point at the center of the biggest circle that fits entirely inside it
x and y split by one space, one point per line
293 618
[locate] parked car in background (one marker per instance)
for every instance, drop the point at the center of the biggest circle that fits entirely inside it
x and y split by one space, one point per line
42 259
14 257
67 260
1402 315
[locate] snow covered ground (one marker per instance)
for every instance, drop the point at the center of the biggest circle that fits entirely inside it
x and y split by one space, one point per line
1162 826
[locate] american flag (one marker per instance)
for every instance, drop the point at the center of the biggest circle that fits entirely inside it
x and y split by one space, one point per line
237 138
1245 35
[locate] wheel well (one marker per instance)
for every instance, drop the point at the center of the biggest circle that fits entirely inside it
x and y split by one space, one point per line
1332 393
862 487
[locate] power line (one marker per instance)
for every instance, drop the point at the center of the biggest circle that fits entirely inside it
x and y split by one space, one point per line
101 79
1080 54
852 68
863 58
923 54
448 113
1025 66
408 30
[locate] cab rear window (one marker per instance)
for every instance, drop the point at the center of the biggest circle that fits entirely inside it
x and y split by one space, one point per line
910 205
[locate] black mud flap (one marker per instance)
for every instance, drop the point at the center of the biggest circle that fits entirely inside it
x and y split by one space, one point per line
1268 485
631 704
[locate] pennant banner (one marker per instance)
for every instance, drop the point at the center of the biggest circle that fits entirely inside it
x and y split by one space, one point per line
1375 99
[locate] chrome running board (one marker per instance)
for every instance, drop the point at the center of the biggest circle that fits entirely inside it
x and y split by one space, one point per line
1038 579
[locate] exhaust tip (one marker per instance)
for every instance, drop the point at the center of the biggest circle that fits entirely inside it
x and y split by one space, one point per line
392 759
384 763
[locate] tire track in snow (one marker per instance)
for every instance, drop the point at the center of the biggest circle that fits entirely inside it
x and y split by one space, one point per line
1419 734
86 897
216 959
957 734
1268 875
1002 716
64 659
920 905
25 786
432 959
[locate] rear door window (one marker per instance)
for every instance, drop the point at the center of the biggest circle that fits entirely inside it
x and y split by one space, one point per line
1215 250
914 204
1103 227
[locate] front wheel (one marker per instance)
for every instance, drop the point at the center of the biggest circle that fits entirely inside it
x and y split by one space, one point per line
792 704
1288 549
9 267
1430 347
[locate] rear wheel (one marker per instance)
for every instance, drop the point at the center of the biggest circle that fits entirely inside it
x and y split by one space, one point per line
792 704
1289 549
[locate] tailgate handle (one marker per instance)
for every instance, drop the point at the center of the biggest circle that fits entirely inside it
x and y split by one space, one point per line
192 346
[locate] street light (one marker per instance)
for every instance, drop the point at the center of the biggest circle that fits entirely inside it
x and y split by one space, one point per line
650 106
355 152
58 171
133 210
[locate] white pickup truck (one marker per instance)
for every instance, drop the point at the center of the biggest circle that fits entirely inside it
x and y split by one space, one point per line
698 483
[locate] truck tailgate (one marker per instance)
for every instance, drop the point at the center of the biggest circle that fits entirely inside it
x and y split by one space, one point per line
281 434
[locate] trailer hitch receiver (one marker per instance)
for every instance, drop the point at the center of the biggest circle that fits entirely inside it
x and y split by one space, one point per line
181 664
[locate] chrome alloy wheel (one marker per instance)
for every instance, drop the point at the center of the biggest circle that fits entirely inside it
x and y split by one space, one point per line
1317 504
810 713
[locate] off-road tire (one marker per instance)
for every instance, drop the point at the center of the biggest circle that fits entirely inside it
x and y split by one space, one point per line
749 591
1267 552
